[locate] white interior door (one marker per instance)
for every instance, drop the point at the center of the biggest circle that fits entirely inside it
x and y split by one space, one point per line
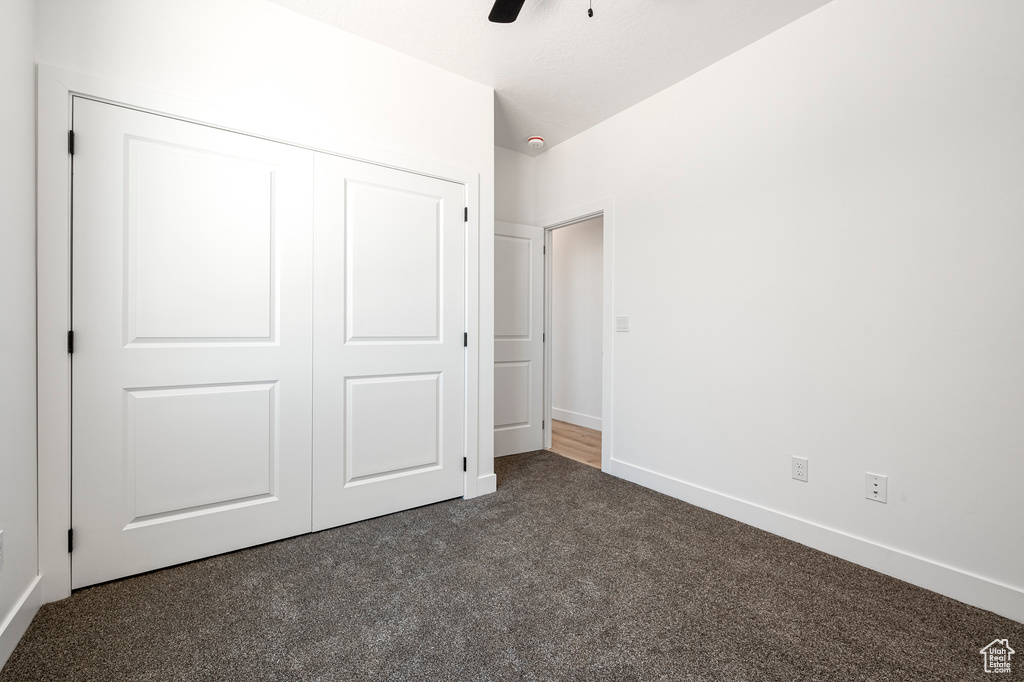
389 318
518 338
191 373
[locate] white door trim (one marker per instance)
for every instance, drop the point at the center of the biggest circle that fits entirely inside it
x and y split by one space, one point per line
606 208
56 87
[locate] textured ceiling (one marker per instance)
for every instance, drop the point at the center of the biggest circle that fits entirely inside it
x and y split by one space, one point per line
555 71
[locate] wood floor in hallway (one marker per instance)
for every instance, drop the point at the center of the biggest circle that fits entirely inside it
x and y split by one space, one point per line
576 442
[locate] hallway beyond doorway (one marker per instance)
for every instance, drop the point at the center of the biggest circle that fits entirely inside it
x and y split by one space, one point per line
576 442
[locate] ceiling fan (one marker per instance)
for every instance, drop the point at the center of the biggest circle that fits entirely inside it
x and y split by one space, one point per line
505 11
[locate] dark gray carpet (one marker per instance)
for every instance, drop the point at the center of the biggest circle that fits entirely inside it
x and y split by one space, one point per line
563 574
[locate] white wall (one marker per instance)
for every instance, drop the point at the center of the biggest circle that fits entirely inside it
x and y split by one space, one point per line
514 189
819 244
254 54
575 334
18 315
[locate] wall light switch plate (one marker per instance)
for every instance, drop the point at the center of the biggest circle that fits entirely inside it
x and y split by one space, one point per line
622 323
876 487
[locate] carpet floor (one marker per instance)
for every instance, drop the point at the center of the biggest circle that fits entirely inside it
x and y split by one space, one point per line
564 574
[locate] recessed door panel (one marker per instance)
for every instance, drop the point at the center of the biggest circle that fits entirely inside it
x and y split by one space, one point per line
393 254
512 399
192 371
374 448
198 446
518 338
200 250
389 392
513 282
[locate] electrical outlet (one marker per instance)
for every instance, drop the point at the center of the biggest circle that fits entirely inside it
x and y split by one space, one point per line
800 469
622 323
1 550
876 487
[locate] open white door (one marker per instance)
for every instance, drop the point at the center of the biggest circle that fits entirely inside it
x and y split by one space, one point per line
390 315
518 338
192 365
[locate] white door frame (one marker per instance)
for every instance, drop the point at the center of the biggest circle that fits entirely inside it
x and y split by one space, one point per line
56 87
603 207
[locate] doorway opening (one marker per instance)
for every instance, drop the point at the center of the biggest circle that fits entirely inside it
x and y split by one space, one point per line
530 312
574 305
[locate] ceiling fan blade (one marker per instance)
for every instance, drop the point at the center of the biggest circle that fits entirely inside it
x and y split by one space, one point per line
505 11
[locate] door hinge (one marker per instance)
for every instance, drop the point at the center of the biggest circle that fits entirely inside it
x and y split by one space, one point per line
71 142
543 338
541 424
545 249
71 540
466 214
465 464
71 342
465 339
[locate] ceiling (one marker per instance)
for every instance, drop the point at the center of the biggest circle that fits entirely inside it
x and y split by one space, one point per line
555 71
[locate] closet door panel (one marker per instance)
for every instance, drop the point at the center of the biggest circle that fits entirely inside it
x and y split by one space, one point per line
389 299
192 370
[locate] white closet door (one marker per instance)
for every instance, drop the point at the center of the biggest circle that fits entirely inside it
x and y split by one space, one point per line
518 338
389 317
192 366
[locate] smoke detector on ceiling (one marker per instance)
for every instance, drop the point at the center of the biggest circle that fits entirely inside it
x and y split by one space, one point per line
536 142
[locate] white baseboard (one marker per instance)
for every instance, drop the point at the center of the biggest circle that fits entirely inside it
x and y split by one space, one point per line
1005 600
584 420
485 485
17 621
